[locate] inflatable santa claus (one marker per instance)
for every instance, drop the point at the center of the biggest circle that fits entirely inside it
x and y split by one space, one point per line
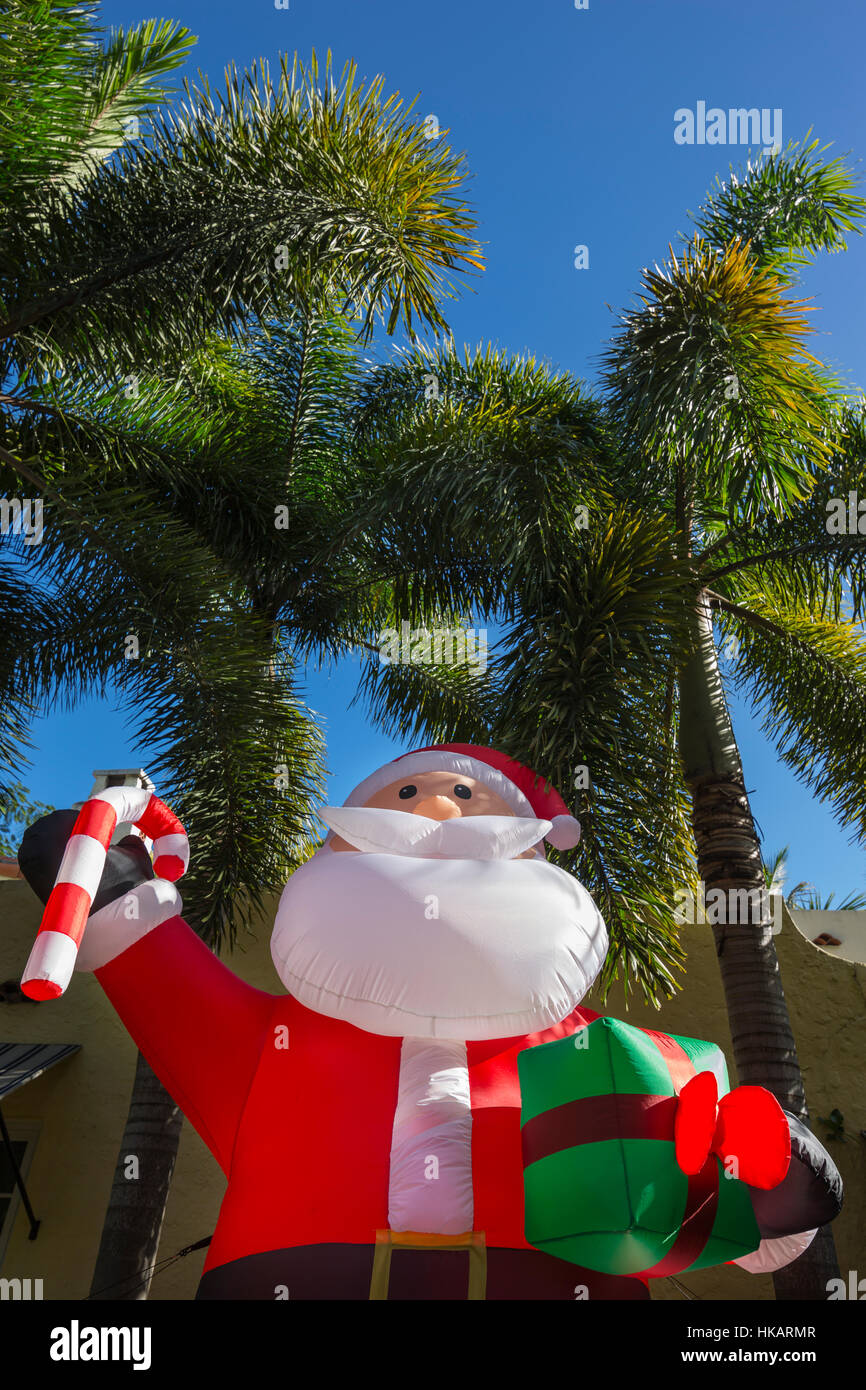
368 1119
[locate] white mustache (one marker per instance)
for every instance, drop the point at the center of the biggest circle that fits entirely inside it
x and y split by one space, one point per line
377 831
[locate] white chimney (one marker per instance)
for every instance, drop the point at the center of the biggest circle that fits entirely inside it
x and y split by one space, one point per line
120 777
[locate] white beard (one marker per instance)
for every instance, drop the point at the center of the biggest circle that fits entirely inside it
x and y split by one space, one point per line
466 948
402 832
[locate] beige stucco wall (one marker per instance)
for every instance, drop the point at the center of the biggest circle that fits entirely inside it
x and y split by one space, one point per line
82 1103
849 929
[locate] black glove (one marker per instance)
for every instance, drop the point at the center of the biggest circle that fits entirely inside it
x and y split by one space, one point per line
810 1194
127 864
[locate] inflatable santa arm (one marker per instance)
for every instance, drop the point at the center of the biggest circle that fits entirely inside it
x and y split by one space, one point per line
790 1214
199 1026
793 1184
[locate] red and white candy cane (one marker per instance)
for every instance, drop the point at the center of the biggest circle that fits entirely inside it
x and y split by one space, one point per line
52 959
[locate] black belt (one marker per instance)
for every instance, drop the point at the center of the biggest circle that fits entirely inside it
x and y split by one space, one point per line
343 1272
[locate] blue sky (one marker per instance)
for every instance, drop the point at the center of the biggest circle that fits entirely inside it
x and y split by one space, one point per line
566 117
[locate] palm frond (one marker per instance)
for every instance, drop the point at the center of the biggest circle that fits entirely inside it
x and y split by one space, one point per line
712 387
815 552
788 206
46 66
239 206
241 762
125 87
806 678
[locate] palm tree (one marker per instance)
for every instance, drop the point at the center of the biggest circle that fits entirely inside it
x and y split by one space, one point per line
811 901
702 500
803 895
713 391
239 205
119 259
776 874
253 478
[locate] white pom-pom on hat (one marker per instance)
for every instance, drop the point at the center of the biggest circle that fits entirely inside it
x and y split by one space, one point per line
564 832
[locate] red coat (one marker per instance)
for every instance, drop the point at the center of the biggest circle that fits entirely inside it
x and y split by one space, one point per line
303 1131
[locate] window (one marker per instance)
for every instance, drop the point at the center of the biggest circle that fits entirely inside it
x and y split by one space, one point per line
23 1135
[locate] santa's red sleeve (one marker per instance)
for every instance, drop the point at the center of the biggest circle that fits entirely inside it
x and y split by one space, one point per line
199 1026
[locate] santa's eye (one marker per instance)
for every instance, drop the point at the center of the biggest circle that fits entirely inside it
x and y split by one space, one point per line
463 792
405 792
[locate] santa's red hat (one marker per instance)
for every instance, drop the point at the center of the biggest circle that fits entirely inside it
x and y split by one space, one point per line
523 789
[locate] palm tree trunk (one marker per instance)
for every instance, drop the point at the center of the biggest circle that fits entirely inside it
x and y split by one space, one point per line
729 858
145 1164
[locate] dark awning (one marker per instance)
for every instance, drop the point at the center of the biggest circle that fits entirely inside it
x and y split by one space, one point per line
21 1062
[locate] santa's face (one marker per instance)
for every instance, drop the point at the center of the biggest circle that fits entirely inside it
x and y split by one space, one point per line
438 796
431 912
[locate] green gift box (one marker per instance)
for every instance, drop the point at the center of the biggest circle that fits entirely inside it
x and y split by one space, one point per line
602 1185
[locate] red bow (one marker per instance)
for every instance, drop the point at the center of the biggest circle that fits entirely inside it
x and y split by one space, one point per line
747 1125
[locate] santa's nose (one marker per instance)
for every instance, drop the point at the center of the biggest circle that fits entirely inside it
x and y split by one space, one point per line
437 808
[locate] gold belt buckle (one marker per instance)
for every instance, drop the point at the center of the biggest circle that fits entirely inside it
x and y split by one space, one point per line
471 1241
